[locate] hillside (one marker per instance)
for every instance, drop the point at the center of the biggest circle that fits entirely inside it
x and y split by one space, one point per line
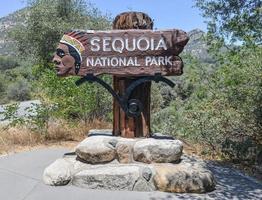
196 46
6 24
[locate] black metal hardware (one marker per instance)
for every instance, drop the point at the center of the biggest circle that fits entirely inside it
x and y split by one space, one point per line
132 107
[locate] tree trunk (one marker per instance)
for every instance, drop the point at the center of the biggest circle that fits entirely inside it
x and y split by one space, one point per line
123 125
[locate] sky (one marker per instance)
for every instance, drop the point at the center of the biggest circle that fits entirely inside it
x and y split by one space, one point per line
166 13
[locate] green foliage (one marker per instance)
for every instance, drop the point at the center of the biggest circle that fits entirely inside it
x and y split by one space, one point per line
7 63
2 85
156 98
19 90
233 19
46 22
190 86
244 149
39 117
15 84
221 105
10 115
84 102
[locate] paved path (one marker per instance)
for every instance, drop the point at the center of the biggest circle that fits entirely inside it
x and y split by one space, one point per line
20 179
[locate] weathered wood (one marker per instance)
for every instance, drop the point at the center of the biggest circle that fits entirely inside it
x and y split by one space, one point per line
125 52
131 42
116 110
140 126
176 68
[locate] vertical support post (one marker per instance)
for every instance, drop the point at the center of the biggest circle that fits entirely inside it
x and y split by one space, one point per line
123 125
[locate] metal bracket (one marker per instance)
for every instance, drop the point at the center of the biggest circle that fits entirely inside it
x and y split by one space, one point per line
132 107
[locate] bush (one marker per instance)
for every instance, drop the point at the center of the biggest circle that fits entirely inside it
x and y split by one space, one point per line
10 115
37 39
19 90
85 102
2 85
46 22
7 63
223 107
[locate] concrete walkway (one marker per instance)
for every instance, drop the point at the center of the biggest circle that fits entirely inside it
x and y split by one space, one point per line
21 179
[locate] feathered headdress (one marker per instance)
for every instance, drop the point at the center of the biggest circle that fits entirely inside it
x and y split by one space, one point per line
75 39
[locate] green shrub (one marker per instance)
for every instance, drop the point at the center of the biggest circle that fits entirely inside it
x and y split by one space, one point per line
19 90
84 102
222 106
7 63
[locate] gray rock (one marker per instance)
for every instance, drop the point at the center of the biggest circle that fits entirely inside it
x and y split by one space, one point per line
99 149
124 149
157 151
142 185
62 170
183 177
113 142
58 173
104 171
147 173
190 175
113 177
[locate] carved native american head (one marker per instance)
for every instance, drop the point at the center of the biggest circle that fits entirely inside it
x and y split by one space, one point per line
68 56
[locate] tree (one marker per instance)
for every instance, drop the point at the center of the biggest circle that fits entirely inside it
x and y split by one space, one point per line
19 90
2 87
234 20
85 102
221 108
7 63
47 20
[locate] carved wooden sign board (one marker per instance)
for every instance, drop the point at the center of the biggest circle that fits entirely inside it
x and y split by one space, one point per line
121 52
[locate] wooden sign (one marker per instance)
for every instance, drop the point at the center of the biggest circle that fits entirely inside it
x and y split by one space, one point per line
121 52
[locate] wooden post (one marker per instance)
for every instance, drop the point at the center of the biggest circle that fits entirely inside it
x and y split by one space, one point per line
123 125
90 53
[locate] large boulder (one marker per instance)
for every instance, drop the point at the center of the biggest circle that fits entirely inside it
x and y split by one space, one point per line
61 171
58 173
157 150
115 177
183 177
141 164
189 175
124 149
99 149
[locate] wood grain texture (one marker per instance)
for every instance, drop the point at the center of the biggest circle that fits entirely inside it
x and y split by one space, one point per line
108 61
129 126
175 41
176 69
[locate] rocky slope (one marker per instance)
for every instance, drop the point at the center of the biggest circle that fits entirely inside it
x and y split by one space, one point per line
197 46
6 24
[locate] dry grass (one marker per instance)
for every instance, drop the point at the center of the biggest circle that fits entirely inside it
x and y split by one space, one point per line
59 133
201 150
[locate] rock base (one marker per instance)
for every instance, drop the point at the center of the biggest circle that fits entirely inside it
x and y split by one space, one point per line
115 163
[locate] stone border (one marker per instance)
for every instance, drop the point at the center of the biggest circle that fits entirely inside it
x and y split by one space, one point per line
115 163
